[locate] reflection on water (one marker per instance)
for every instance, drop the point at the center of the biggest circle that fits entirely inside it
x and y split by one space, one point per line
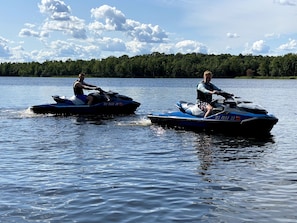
214 148
123 169
118 120
88 120
91 119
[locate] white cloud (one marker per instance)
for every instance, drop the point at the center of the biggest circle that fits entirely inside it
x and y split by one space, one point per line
189 46
112 44
4 49
113 19
107 19
164 48
200 26
74 27
57 10
147 33
136 47
291 45
19 54
232 35
285 2
30 32
110 19
60 19
253 19
272 35
26 32
184 46
96 28
259 47
60 50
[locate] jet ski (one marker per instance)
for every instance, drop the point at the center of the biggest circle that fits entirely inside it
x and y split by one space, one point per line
231 115
104 103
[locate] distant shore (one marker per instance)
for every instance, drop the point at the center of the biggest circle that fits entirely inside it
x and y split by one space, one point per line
262 77
93 76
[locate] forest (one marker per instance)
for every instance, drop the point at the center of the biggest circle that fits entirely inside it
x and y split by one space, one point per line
160 65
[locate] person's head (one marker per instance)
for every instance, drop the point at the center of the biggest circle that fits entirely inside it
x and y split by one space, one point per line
81 76
207 75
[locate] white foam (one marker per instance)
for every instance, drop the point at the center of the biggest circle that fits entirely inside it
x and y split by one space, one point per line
143 121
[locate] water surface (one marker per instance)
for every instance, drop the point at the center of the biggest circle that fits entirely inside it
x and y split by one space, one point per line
123 169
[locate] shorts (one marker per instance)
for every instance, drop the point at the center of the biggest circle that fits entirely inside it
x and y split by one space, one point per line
82 97
202 105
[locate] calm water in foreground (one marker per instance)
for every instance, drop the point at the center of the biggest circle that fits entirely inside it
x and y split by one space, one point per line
74 169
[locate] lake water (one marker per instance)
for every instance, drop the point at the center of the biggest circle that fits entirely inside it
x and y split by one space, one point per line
75 169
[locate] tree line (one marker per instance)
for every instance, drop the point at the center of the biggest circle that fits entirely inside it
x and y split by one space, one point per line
157 65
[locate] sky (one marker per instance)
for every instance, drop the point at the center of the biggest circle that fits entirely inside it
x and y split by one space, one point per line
32 30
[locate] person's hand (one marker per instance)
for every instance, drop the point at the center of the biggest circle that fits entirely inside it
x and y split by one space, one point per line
98 89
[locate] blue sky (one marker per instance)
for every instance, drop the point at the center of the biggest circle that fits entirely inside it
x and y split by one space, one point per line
43 30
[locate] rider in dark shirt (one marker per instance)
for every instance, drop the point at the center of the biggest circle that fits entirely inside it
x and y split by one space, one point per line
205 90
78 87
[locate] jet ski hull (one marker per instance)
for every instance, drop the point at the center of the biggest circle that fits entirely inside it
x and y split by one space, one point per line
109 103
230 115
259 125
97 109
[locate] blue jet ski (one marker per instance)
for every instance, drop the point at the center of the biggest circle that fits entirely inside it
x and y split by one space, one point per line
230 115
105 103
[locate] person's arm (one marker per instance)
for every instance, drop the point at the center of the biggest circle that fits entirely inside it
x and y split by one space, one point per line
88 86
203 89
216 88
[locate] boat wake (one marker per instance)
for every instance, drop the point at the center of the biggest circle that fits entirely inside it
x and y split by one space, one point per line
142 121
7 113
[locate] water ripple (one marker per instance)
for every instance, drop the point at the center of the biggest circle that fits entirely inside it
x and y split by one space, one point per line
123 169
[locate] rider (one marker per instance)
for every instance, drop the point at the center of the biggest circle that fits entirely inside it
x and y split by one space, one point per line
78 87
205 90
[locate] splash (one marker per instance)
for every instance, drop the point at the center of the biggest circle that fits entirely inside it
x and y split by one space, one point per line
143 121
14 113
27 113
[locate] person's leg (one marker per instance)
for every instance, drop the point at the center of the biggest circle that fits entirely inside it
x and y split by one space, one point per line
209 110
90 99
83 98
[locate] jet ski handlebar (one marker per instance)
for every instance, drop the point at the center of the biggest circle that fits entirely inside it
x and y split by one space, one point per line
224 94
101 91
228 99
